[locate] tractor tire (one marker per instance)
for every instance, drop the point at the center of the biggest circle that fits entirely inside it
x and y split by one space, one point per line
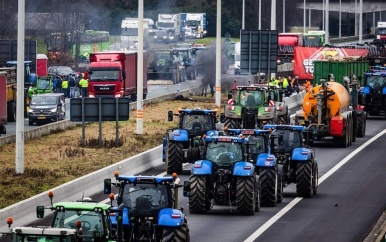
198 202
304 179
232 123
245 195
280 186
175 234
315 179
174 157
362 125
355 126
258 197
11 112
269 181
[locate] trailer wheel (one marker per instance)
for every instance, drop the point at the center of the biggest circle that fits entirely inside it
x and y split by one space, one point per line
245 195
232 123
11 111
175 234
269 181
362 124
198 201
174 157
304 179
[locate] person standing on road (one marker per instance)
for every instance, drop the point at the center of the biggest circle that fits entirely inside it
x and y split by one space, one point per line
65 87
83 83
71 85
58 84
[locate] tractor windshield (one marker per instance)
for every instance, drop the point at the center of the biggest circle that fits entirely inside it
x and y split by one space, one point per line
256 145
43 84
92 222
224 153
286 140
376 82
146 197
251 98
197 124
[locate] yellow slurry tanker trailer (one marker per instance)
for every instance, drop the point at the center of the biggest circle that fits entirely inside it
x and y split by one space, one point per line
330 110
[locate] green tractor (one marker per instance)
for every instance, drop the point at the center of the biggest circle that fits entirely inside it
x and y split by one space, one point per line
248 108
43 84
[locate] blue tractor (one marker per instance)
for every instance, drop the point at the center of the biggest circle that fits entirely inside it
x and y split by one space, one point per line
148 209
296 160
373 93
259 153
184 144
223 177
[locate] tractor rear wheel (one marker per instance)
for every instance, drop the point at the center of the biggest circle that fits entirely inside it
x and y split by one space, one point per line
175 234
315 179
304 179
198 201
258 197
245 195
269 181
362 125
232 123
355 126
174 157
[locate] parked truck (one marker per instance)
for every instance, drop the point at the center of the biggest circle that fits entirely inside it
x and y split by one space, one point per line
223 177
286 44
380 33
115 74
149 208
197 23
327 111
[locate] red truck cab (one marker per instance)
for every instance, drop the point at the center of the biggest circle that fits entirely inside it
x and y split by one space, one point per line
114 74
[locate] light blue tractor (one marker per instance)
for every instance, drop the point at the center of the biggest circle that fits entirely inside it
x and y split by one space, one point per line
223 177
148 208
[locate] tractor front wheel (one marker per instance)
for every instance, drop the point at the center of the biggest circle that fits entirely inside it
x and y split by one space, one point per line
198 201
269 181
245 195
175 234
174 157
304 179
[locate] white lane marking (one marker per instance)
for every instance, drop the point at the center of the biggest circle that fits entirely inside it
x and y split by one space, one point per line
162 174
284 210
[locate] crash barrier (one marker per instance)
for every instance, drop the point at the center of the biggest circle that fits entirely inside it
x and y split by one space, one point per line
90 184
65 124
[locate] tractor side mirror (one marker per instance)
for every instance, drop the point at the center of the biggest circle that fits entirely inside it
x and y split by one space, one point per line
40 211
107 186
170 116
186 189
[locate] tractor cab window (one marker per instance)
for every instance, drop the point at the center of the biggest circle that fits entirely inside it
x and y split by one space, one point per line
286 140
43 84
376 82
256 145
145 196
197 123
251 98
91 221
224 154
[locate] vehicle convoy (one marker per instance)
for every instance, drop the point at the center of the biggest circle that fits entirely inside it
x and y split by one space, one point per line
223 177
248 108
297 162
258 152
148 208
114 74
197 23
165 64
373 93
287 43
184 144
46 108
328 111
89 219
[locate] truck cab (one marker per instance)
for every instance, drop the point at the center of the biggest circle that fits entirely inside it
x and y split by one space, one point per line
380 32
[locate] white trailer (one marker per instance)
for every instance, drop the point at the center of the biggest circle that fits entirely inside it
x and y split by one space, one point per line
170 23
129 32
197 23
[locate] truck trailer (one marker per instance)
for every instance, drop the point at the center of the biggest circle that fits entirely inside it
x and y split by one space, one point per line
198 23
114 74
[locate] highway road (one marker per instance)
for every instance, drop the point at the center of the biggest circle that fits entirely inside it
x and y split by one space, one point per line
350 199
153 91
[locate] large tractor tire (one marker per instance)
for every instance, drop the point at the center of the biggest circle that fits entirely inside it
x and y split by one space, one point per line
232 123
315 179
362 124
11 111
176 234
198 202
269 181
258 197
280 185
245 195
304 179
355 126
174 157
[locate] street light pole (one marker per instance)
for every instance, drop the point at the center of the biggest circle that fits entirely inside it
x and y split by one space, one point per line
243 23
304 16
360 20
340 18
283 16
260 15
273 15
327 22
140 70
218 54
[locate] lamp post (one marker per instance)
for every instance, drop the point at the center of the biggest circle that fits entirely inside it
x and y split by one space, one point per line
340 18
283 16
273 15
243 21
140 70
218 54
327 20
304 16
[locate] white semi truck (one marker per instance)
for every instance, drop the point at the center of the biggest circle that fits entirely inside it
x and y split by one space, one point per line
170 23
129 31
197 23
